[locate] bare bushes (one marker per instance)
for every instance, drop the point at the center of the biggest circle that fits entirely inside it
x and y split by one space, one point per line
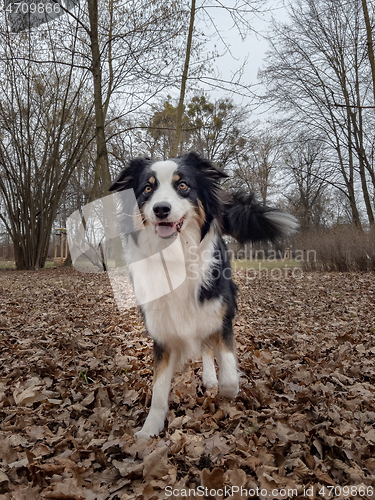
341 249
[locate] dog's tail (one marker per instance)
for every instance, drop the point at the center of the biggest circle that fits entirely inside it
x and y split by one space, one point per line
248 220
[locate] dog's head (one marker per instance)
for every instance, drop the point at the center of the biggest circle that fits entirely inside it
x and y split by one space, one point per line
173 193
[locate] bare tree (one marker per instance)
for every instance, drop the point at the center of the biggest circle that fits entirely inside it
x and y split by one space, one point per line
306 178
129 49
144 30
259 161
370 43
241 14
180 107
101 163
218 129
317 73
132 51
45 122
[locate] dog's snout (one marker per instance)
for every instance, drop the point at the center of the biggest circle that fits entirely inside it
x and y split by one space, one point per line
162 210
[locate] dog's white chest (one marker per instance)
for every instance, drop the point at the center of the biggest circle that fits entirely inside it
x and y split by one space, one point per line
167 286
180 318
168 292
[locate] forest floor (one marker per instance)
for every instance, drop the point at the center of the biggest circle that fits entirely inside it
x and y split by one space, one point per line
76 379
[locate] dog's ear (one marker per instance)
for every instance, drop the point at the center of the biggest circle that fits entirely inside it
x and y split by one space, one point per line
194 159
122 181
126 178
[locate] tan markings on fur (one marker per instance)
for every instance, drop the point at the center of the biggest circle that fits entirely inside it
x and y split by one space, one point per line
151 180
228 345
210 352
176 178
216 341
161 365
212 341
201 214
138 218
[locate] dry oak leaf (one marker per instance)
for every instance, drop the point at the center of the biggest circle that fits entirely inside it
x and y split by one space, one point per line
252 462
37 432
370 436
7 452
128 468
140 448
299 467
236 477
310 462
275 481
178 440
194 447
179 422
4 481
67 489
213 480
230 411
29 396
28 492
156 464
324 477
218 445
370 464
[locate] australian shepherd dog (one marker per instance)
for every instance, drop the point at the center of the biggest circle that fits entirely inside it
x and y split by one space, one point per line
181 199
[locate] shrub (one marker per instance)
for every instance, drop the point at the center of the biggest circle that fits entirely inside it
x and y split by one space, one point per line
341 249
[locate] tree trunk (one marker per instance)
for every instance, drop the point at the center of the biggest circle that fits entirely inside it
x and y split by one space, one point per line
180 108
369 43
101 164
362 158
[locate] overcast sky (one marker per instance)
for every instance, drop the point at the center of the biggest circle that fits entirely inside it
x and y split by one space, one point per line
253 48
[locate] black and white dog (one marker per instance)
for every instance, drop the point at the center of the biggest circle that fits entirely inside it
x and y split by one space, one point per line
182 199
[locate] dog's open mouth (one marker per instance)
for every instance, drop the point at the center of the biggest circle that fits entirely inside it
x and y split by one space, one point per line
168 229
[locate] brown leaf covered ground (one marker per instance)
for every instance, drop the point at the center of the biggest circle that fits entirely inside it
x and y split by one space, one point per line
76 383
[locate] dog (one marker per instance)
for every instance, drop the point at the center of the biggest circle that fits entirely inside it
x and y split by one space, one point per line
182 199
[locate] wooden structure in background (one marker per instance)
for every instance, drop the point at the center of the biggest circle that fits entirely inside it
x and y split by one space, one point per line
61 244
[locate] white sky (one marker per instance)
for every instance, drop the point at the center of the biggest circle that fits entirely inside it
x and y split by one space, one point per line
253 48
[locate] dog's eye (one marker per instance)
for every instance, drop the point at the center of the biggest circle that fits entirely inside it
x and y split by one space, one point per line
182 186
147 189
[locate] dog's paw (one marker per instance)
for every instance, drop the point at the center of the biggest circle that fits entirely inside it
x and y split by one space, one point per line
143 434
229 389
147 431
153 426
209 381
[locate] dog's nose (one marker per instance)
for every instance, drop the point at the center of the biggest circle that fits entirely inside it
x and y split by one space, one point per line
161 210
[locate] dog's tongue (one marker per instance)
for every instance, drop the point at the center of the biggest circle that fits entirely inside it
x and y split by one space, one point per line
164 231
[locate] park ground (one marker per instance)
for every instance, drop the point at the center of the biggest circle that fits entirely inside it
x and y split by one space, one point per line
76 378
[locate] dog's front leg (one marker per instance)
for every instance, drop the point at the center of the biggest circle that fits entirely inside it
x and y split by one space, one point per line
164 364
225 353
209 378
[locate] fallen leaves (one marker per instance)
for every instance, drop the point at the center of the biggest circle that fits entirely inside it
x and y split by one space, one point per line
76 378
